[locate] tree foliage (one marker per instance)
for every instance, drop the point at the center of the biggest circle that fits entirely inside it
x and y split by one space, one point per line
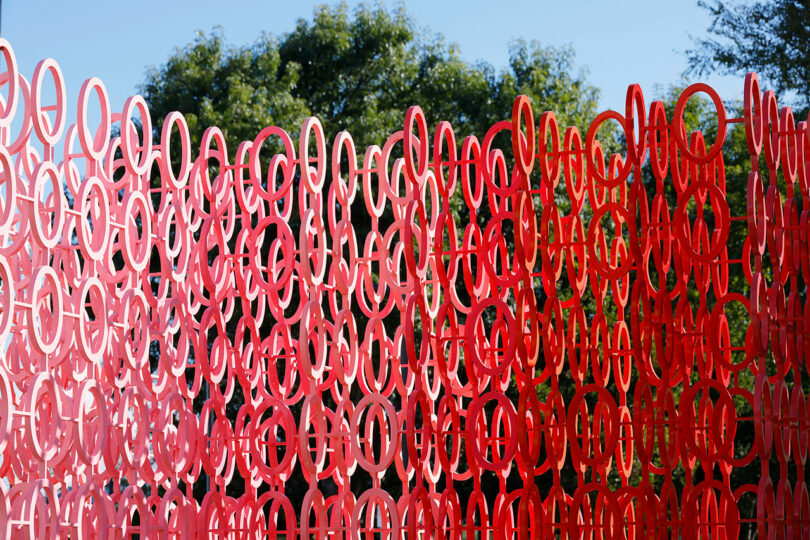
770 37
357 72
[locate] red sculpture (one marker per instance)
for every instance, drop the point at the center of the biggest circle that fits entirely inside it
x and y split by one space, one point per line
160 289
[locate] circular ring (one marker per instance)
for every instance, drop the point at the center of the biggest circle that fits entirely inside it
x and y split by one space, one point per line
679 131
523 146
47 134
179 181
473 441
723 226
623 269
93 243
45 334
94 146
130 146
374 400
12 74
417 170
313 179
47 238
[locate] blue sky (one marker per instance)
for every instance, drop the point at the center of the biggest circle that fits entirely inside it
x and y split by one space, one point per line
618 42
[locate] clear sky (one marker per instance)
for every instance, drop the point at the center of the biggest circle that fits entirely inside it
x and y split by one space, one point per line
619 42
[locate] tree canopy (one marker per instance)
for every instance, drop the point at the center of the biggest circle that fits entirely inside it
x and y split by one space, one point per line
358 71
770 37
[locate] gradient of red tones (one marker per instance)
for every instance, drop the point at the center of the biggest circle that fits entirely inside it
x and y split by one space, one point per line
86 423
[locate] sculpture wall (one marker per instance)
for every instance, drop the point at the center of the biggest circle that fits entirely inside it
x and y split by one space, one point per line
532 337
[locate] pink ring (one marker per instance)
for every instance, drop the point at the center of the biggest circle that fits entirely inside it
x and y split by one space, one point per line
12 73
130 146
40 121
94 146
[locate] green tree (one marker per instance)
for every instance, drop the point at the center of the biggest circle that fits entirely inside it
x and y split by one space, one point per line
357 73
767 36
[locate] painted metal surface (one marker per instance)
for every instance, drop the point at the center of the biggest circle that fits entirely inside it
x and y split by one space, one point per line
174 313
